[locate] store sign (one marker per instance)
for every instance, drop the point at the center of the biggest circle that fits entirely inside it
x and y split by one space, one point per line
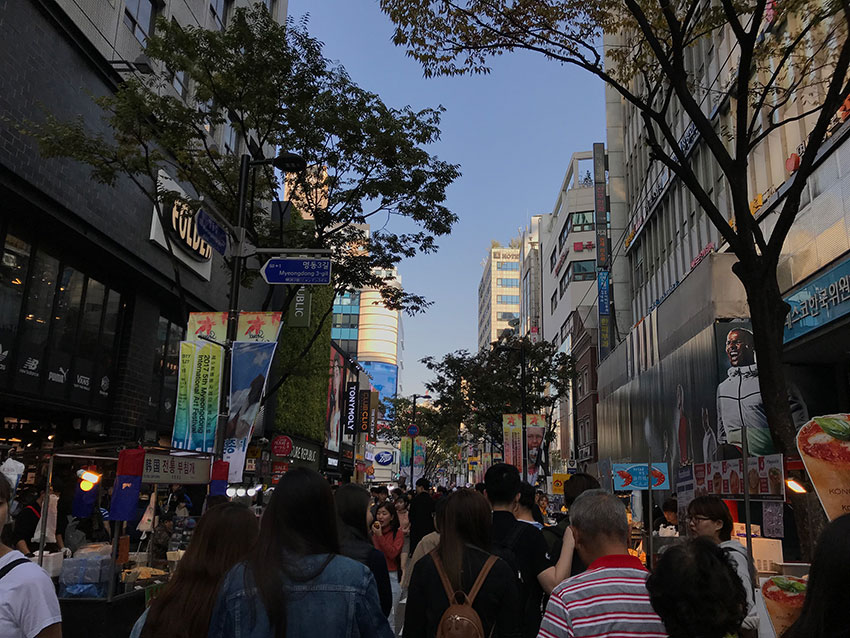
183 228
363 400
282 446
163 468
298 315
350 422
705 252
634 476
384 458
580 246
333 461
818 303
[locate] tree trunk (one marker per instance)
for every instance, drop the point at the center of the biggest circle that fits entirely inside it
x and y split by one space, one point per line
767 313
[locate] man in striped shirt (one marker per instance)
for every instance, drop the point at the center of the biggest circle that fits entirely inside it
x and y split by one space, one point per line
610 598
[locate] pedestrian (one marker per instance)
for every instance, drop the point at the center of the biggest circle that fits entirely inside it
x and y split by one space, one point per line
401 508
389 539
543 505
223 537
573 488
827 599
28 604
380 495
522 546
293 582
421 513
162 538
696 591
670 515
28 519
610 598
708 516
462 562
355 519
526 509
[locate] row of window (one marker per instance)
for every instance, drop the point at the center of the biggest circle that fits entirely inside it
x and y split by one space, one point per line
166 365
343 334
507 265
575 222
507 299
345 321
507 283
506 316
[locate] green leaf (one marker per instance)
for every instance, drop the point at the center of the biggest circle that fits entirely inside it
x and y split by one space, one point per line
786 584
838 428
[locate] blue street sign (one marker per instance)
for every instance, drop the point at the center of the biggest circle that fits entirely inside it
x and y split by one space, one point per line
306 271
211 232
412 430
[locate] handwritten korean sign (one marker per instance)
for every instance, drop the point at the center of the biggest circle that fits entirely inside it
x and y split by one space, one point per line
163 468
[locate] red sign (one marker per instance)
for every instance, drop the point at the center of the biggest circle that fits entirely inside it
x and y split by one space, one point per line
278 470
583 245
282 446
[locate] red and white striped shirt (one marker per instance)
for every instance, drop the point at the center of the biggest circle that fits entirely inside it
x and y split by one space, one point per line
608 600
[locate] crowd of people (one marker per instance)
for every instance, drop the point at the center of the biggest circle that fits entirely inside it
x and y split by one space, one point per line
468 562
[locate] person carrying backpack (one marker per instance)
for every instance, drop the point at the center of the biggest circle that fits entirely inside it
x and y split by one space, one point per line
523 547
460 590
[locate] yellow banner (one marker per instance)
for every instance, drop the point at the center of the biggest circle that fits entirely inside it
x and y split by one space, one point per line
208 324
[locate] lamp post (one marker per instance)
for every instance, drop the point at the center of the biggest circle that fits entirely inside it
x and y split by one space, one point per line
288 163
412 438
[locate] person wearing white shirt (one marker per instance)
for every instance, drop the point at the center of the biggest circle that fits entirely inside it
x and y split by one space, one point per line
28 604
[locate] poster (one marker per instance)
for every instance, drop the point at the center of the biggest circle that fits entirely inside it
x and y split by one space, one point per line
406 450
636 476
512 442
558 481
418 458
726 479
199 384
783 598
258 326
249 371
333 417
824 445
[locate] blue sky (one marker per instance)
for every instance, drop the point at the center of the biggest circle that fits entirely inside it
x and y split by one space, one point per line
512 132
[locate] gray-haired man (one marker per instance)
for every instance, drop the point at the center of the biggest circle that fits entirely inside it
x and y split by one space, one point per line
610 598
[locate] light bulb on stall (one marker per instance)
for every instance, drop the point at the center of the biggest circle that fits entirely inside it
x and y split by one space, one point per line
230 491
240 491
251 491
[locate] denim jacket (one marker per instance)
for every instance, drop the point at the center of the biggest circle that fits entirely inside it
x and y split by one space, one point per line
341 602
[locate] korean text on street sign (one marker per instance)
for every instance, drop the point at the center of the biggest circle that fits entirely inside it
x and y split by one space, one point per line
209 230
297 270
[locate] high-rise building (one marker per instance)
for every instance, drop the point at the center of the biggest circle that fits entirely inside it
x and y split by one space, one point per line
498 293
90 317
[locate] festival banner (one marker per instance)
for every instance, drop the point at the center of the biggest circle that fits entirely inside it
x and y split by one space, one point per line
406 449
824 445
258 326
199 384
212 325
249 371
512 439
512 442
419 454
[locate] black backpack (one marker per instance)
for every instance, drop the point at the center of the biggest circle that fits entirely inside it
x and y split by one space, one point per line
506 550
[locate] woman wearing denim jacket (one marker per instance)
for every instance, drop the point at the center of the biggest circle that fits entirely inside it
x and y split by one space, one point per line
294 583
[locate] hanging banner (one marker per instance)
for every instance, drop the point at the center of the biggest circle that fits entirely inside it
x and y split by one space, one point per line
212 325
406 449
249 371
333 417
198 394
512 439
824 445
258 326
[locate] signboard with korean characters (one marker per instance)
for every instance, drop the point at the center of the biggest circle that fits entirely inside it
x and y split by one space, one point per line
164 468
819 302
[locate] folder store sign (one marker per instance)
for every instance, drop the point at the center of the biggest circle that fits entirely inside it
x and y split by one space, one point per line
200 382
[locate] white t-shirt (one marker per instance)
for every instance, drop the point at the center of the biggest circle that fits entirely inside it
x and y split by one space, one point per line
28 600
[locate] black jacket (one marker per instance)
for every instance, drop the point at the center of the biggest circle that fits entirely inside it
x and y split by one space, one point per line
497 603
421 518
354 545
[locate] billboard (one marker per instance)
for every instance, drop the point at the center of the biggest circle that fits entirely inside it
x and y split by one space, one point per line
333 417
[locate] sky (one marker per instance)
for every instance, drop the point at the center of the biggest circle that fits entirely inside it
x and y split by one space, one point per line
512 132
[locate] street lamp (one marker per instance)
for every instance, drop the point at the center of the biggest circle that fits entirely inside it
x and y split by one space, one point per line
412 439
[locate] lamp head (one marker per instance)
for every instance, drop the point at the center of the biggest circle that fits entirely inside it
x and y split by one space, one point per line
289 162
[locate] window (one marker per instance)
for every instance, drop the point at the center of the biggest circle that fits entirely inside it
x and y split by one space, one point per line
507 299
218 13
565 230
553 260
507 265
565 329
139 18
581 221
582 270
13 276
166 365
565 281
553 302
230 137
508 283
506 316
178 81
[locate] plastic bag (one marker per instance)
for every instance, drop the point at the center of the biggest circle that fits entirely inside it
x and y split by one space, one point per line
146 523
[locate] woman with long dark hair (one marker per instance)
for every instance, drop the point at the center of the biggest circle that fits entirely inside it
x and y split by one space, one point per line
294 583
827 600
463 551
352 509
388 537
223 537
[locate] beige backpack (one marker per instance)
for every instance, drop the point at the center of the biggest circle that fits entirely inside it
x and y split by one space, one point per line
460 620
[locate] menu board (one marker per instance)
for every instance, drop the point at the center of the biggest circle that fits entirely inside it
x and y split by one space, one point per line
726 478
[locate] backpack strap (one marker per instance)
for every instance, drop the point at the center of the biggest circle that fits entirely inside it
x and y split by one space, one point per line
443 577
34 511
482 575
12 565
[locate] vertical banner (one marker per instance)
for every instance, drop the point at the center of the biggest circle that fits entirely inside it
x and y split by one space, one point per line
258 326
249 370
212 325
333 417
198 390
364 400
374 409
351 392
511 425
603 253
535 432
298 315
418 458
406 451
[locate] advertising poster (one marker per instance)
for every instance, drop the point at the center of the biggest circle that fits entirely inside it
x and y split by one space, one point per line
335 401
824 445
512 442
209 324
765 478
258 326
418 455
636 476
199 382
406 450
783 598
249 371
509 429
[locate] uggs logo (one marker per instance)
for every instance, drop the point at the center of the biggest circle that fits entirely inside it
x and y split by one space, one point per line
185 231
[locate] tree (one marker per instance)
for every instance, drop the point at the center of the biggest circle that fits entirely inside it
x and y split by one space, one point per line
788 66
270 87
440 433
476 390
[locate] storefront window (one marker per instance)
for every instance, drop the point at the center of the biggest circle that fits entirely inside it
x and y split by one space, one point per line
106 345
68 301
92 315
13 276
39 303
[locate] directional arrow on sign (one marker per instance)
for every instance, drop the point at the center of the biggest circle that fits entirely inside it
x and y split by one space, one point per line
304 271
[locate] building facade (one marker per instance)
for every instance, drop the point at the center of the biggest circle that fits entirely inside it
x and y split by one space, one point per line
90 319
498 293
